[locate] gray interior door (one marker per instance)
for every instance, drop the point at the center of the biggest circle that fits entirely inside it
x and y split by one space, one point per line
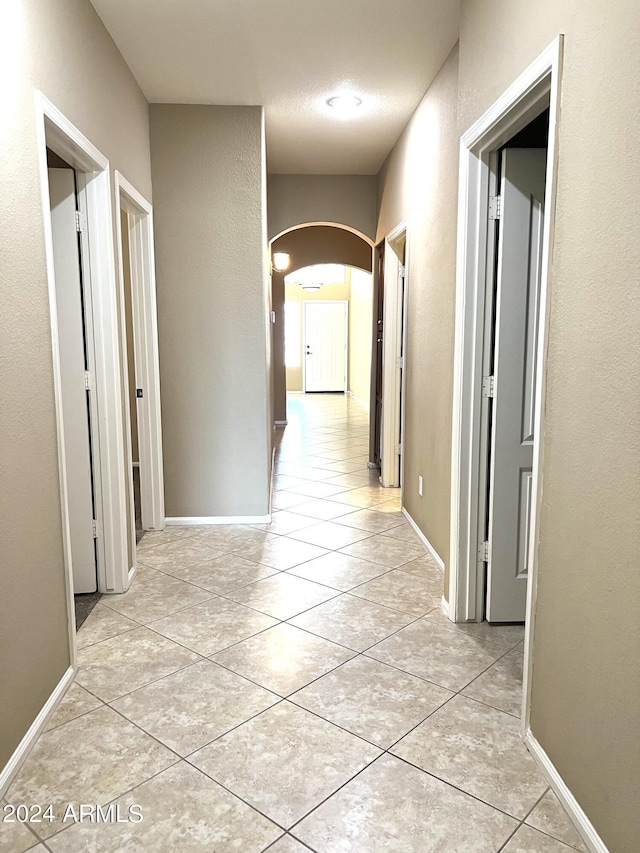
73 362
513 415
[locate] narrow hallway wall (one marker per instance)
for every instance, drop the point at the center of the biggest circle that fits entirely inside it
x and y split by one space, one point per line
209 214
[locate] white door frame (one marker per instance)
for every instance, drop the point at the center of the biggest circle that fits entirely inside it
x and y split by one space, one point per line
55 131
393 342
538 86
145 334
306 302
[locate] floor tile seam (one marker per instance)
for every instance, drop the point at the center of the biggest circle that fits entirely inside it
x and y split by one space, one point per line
457 787
333 550
78 716
227 597
220 594
319 636
288 835
342 551
492 643
343 591
522 823
487 704
420 616
104 639
108 702
367 653
319 716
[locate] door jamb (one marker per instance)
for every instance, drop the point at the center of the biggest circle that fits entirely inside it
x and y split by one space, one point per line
145 322
306 302
537 85
393 383
55 131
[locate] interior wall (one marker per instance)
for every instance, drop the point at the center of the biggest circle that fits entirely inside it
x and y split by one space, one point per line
208 176
419 183
128 314
344 199
316 244
360 334
295 296
61 48
586 693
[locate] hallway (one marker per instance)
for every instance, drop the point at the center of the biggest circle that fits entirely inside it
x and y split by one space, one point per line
293 686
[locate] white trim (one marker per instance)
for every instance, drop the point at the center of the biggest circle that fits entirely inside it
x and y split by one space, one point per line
35 730
305 303
392 345
512 111
358 400
55 131
145 320
218 519
444 606
280 423
561 790
432 551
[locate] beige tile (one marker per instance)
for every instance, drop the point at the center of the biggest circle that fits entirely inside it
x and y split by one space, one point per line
330 535
193 706
286 500
448 658
371 520
425 568
549 817
282 553
231 537
479 750
392 508
76 702
402 591
347 466
224 574
283 659
15 837
285 761
352 622
101 624
501 685
365 496
507 636
317 489
212 626
153 599
282 595
153 538
287 844
183 812
372 700
92 759
391 806
527 840
339 571
384 550
117 666
180 552
283 522
324 510
351 481
405 533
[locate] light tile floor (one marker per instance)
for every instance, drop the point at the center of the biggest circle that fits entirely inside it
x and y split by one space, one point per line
293 687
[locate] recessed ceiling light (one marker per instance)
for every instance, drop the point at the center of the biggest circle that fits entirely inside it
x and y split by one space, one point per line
344 104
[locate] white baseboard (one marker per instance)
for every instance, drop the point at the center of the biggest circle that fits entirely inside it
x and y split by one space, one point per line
444 606
358 400
35 730
436 557
219 519
569 802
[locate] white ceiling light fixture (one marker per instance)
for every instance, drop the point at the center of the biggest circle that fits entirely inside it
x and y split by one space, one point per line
344 105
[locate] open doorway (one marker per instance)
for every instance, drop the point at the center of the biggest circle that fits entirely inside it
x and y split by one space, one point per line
506 223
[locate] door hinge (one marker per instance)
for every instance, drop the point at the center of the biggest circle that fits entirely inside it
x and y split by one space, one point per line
399 449
488 386
495 207
97 530
483 552
402 270
89 380
139 393
400 362
81 222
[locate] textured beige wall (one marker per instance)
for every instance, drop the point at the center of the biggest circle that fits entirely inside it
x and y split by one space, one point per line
208 178
61 48
318 244
419 183
360 333
300 199
586 687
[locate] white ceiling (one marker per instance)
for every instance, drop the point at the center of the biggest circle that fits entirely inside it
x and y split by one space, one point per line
290 56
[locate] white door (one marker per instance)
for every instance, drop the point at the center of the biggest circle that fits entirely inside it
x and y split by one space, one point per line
325 346
516 331
75 403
